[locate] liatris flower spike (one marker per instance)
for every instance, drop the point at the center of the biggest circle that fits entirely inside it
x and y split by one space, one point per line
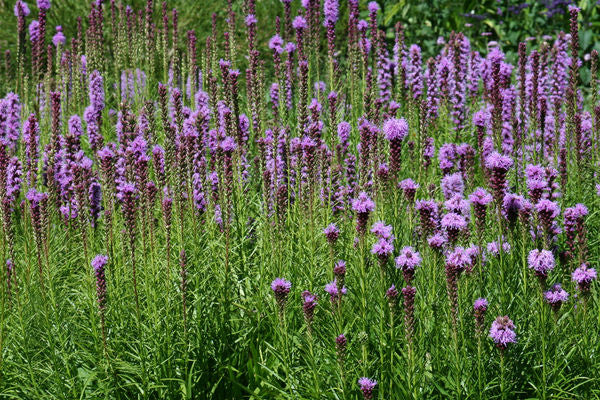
479 309
407 261
556 296
366 387
584 276
281 288
502 332
332 232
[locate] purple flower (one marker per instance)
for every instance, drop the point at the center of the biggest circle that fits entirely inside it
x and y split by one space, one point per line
428 214
362 205
407 261
299 23
382 231
281 289
409 187
59 38
334 291
584 276
395 129
251 20
98 263
309 303
502 332
43 4
453 185
332 233
437 241
367 385
373 7
24 8
392 294
453 224
331 11
276 43
481 197
556 296
458 259
382 249
34 27
541 261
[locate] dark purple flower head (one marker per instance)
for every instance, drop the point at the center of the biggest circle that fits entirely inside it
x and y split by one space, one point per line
481 118
584 276
437 241
309 303
392 294
395 129
366 387
34 30
556 296
453 224
494 249
276 43
409 187
458 259
99 262
281 288
547 209
339 269
502 332
332 232
228 144
541 261
36 197
362 25
343 131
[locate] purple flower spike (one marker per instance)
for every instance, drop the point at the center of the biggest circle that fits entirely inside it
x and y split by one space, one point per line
383 249
332 232
366 387
541 262
309 303
43 4
584 276
98 263
556 296
362 205
334 291
409 187
479 309
502 332
407 261
382 231
281 288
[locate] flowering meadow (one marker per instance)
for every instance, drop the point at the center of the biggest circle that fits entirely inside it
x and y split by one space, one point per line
330 215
